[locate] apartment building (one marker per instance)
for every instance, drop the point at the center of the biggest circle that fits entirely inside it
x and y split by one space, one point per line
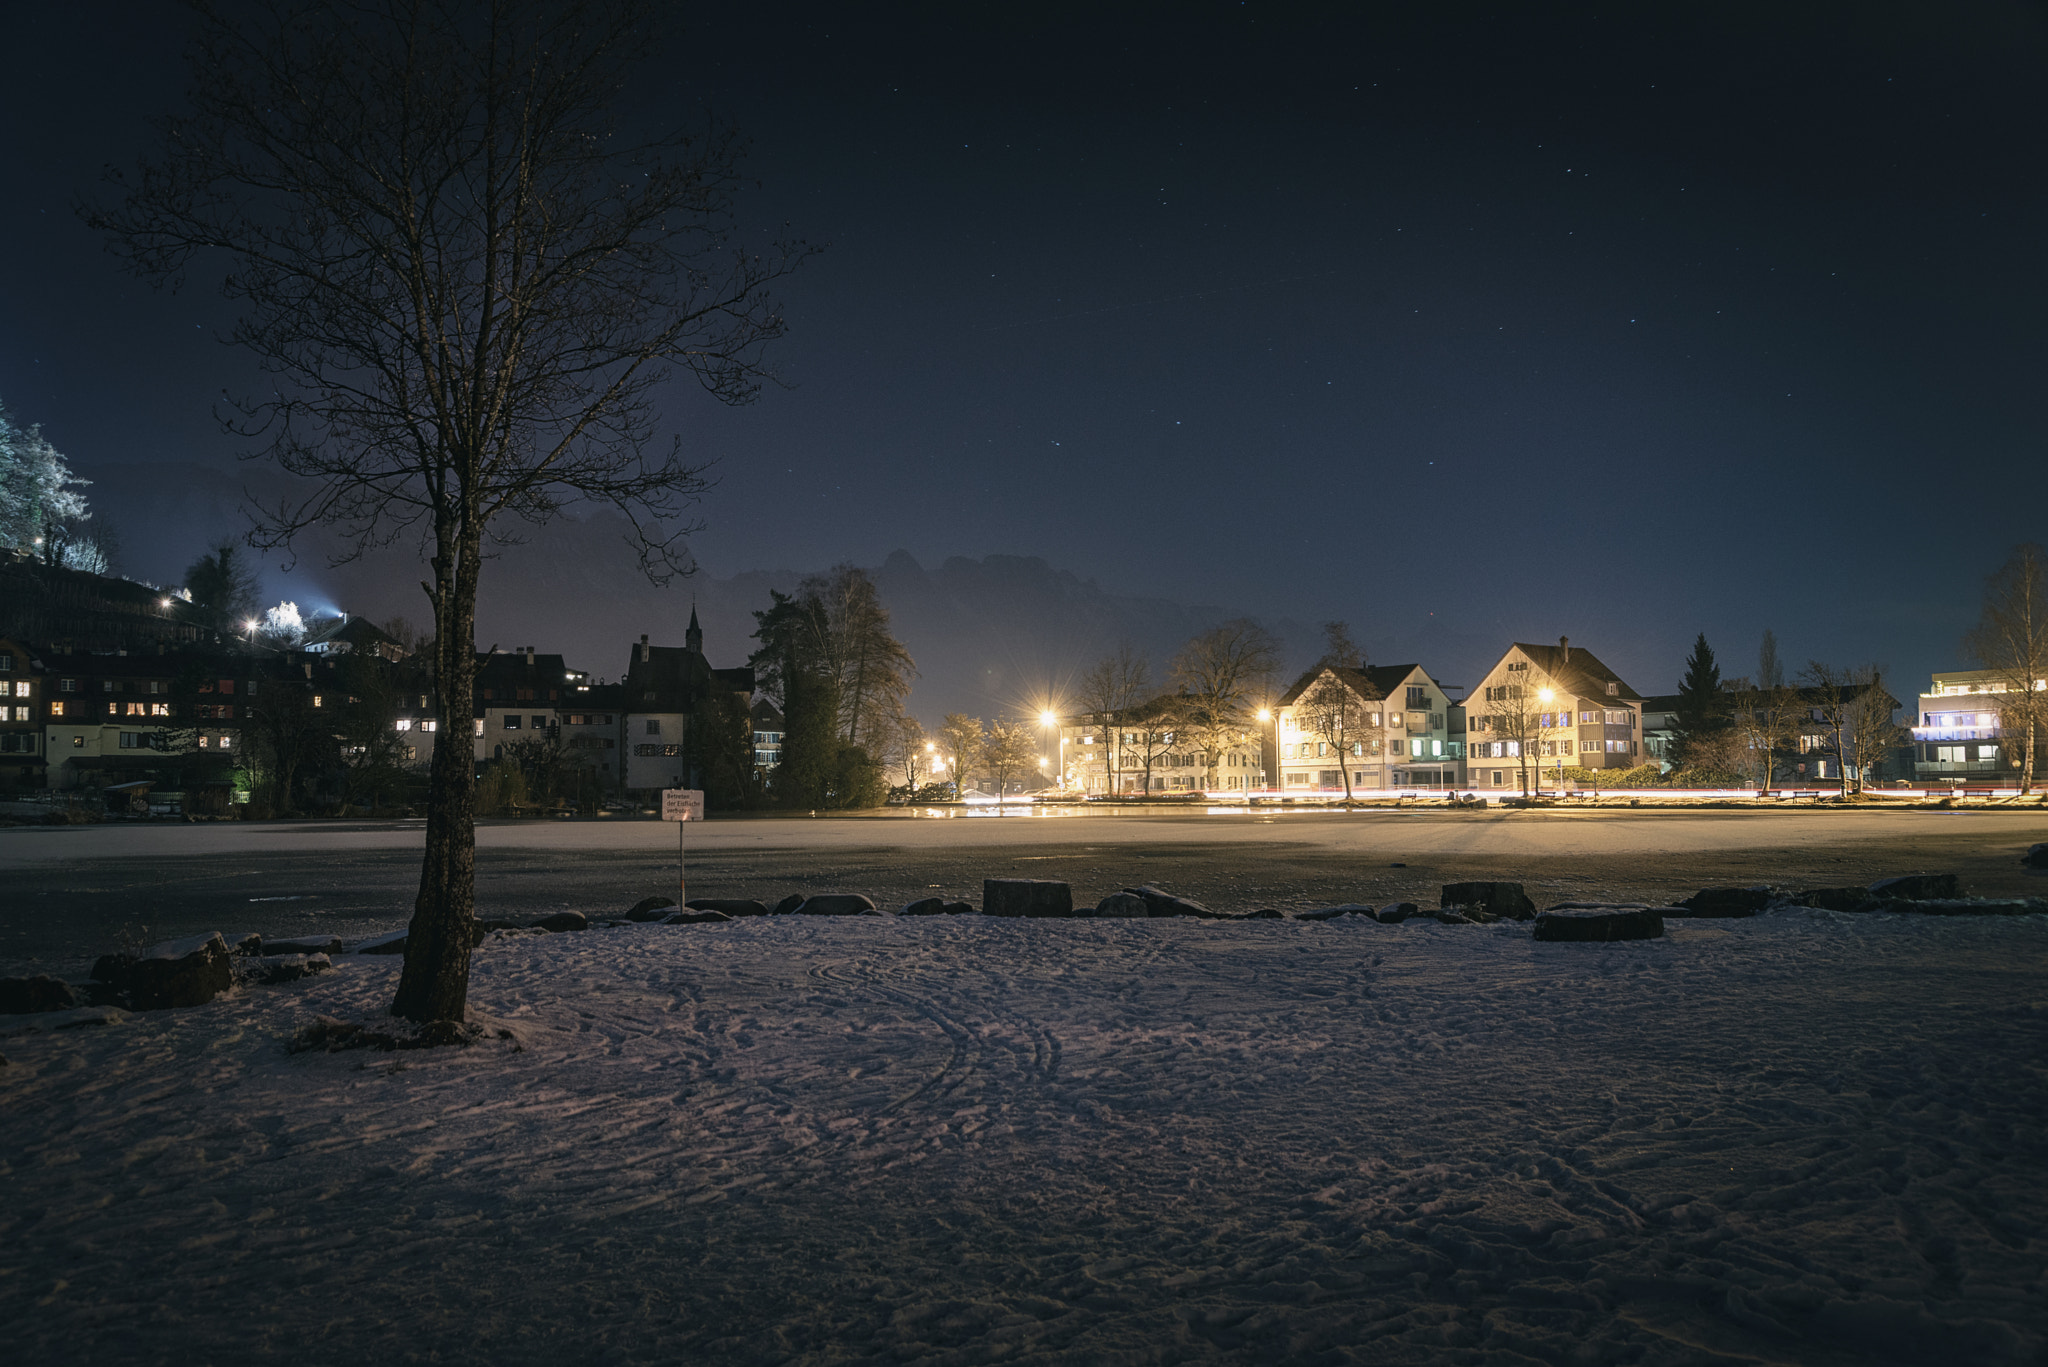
22 700
593 726
1542 708
519 697
1390 726
1151 749
1959 735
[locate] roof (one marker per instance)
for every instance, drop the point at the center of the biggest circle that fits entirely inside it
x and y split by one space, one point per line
1578 671
672 678
356 632
1374 683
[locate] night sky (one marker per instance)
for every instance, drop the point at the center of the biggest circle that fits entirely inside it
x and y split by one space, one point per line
1544 322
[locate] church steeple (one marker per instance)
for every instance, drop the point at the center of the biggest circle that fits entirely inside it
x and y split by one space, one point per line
693 638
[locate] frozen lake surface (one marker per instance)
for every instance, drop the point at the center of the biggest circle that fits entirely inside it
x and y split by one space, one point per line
1805 1138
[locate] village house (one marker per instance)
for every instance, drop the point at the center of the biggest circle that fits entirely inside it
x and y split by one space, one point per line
666 688
1542 709
1390 726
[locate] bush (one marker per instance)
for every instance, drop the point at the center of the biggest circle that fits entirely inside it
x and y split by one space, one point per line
1702 776
1642 776
501 790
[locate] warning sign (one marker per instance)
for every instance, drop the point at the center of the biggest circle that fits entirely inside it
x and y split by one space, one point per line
682 804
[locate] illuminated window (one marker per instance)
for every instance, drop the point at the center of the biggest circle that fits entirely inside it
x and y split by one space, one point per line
318 701
21 688
511 722
57 709
403 724
136 709
78 742
479 726
227 742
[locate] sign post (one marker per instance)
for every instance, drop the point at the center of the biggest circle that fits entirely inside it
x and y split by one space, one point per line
681 805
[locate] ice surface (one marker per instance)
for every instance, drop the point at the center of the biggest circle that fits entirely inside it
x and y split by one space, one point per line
1810 1138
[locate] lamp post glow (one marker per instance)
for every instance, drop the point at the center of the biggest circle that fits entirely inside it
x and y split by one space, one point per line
1051 720
1266 715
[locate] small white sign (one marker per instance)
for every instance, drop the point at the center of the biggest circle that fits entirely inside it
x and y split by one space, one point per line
682 804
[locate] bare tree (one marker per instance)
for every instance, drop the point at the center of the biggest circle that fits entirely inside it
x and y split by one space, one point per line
961 741
2011 640
285 726
1222 674
1766 721
1339 650
1855 717
467 286
872 667
1512 713
1770 673
1152 731
1335 709
1011 749
904 750
1109 690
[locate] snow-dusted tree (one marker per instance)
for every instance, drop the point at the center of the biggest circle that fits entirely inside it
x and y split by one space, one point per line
2011 640
467 282
282 625
42 512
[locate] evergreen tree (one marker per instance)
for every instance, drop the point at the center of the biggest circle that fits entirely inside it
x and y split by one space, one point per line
1704 715
223 587
721 748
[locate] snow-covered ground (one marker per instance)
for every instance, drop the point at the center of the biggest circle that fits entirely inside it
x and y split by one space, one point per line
1807 1138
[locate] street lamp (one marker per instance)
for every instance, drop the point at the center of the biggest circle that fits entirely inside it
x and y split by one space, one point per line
1050 720
1266 715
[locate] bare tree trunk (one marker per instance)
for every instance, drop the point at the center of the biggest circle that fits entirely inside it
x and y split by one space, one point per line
435 983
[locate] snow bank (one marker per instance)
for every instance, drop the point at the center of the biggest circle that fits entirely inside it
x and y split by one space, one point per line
1811 1137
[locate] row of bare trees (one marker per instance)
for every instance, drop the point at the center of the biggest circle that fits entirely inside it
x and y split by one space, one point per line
1218 682
1844 713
